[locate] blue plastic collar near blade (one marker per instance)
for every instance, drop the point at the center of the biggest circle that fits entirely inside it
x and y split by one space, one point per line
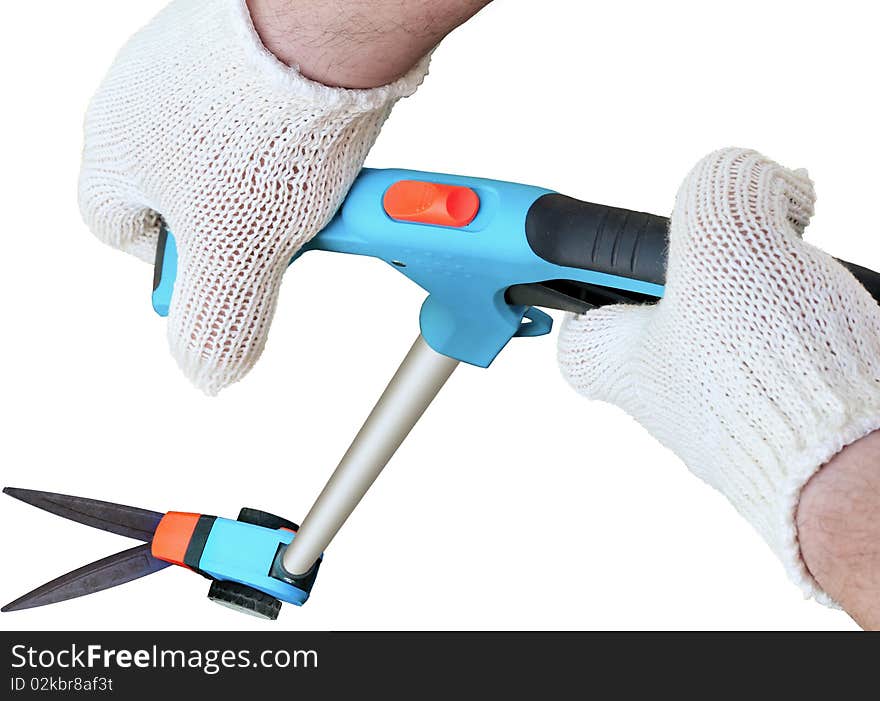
244 553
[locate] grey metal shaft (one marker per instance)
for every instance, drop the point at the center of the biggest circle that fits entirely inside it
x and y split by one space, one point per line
412 389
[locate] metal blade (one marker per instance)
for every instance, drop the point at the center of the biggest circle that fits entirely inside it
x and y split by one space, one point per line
128 521
109 572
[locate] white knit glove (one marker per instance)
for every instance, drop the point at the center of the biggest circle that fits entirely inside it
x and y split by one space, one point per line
243 157
761 361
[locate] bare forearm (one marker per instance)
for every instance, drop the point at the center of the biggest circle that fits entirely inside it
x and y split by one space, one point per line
839 529
356 43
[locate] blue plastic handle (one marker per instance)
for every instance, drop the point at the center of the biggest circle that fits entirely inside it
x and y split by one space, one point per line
465 270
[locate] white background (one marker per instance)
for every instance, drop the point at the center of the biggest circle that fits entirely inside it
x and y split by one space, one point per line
515 503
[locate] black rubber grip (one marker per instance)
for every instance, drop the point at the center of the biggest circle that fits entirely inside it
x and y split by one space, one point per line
566 231
159 262
576 234
870 280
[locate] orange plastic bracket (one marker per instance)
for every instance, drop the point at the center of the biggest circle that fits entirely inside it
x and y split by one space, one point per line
172 536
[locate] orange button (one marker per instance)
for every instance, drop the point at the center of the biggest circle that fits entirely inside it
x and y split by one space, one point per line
431 203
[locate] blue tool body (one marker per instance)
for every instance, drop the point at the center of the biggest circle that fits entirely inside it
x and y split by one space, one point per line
465 270
244 553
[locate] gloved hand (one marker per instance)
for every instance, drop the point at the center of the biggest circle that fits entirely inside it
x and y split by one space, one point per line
244 159
761 361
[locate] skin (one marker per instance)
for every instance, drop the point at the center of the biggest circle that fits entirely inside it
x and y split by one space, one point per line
368 43
838 522
356 43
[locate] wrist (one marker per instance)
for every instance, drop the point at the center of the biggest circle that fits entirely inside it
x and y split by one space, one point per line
838 523
356 45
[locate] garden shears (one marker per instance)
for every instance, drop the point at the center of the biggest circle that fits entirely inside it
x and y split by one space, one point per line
489 254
